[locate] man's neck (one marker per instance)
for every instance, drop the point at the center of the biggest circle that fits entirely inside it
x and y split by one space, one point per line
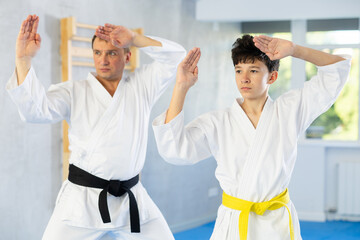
109 85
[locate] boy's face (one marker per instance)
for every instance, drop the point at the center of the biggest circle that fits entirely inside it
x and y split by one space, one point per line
253 79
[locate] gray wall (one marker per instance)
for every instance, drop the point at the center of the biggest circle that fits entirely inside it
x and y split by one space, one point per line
30 154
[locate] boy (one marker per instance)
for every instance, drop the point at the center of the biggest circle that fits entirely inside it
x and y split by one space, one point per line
255 140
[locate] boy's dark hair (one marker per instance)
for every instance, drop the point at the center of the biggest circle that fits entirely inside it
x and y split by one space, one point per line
126 50
244 51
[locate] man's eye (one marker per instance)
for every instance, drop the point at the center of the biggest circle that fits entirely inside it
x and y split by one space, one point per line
97 53
112 53
254 71
238 71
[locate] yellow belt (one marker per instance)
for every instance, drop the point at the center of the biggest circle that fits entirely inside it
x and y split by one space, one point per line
259 208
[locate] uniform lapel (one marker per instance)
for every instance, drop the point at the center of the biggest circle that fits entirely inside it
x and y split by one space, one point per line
113 103
99 91
245 122
256 144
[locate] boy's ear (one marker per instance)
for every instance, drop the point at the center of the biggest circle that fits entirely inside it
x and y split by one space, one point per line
273 77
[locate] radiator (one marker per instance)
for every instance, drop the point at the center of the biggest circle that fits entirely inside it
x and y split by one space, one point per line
349 188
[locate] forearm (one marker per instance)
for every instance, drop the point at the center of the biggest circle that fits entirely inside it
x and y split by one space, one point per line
181 145
143 41
316 57
176 103
22 68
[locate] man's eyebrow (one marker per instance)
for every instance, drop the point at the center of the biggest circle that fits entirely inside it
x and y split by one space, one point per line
109 50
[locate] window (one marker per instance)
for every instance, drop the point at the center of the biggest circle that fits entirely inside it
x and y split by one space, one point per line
341 121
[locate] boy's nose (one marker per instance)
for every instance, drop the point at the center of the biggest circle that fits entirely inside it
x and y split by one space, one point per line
245 79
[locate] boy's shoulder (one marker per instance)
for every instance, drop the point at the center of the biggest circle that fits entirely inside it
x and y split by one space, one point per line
215 117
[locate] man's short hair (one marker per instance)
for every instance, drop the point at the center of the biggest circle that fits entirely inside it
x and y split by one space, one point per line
126 50
244 51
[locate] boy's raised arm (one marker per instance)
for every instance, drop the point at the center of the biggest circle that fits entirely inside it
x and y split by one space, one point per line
186 77
277 48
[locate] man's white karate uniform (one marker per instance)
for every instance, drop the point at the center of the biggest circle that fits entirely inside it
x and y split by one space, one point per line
108 138
253 164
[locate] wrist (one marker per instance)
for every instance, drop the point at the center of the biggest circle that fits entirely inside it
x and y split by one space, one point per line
23 60
23 63
298 51
181 88
135 39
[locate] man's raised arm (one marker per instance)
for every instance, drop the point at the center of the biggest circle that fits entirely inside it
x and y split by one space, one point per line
27 45
122 37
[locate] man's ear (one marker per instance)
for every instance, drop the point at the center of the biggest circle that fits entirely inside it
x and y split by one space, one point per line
273 76
127 57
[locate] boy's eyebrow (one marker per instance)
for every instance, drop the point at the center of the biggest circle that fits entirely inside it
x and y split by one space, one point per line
252 66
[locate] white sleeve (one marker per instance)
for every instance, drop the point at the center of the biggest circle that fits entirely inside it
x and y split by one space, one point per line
317 95
156 77
34 104
178 144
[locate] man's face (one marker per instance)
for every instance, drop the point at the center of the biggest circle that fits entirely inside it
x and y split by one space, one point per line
253 79
109 61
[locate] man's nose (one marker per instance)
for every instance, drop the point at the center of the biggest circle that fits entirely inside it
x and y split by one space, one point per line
104 60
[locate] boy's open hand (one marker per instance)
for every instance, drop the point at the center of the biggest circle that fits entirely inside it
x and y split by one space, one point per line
274 48
187 73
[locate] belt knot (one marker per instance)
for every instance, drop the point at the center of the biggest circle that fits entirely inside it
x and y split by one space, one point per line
260 208
116 188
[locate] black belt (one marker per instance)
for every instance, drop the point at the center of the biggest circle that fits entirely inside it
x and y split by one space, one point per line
114 187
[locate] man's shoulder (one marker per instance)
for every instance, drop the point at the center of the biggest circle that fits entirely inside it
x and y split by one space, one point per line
84 81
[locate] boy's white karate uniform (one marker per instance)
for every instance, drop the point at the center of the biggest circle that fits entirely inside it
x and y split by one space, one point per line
253 164
107 135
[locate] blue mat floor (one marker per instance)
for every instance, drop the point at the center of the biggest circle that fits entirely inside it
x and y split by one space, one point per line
338 230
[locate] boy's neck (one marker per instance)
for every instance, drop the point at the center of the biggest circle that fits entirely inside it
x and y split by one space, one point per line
254 106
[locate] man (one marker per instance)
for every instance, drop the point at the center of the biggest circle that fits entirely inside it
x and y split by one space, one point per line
255 140
108 116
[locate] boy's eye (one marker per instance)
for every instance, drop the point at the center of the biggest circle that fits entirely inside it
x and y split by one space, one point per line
254 71
238 71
